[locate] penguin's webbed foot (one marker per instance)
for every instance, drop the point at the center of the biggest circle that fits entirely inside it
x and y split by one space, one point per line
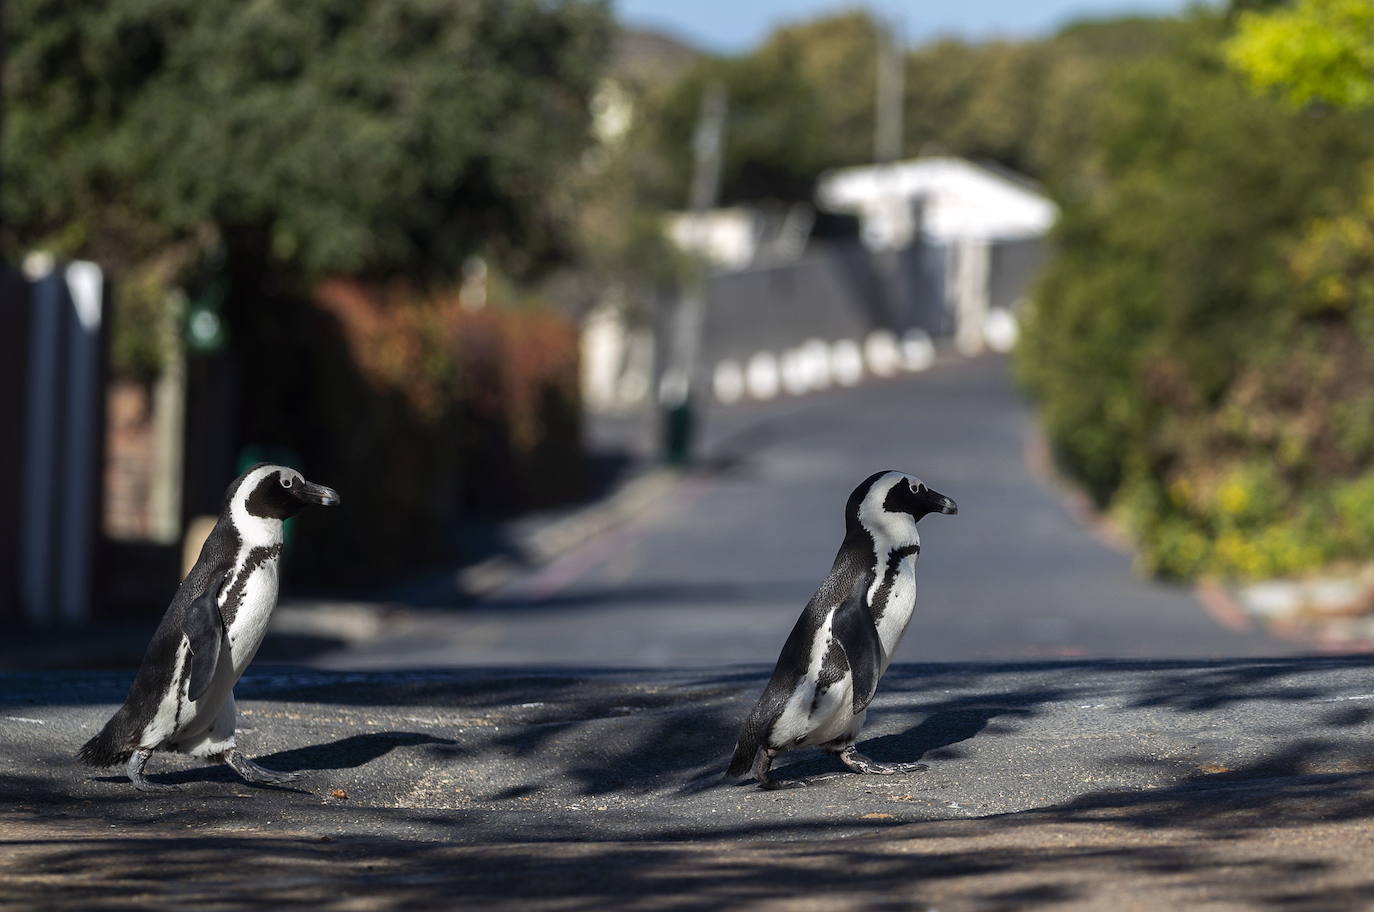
143 785
137 761
762 761
250 772
857 762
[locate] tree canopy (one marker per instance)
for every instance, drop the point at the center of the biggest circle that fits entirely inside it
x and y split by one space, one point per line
334 136
804 101
1312 51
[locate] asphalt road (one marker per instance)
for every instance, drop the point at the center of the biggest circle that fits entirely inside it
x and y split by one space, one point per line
559 745
717 567
1235 784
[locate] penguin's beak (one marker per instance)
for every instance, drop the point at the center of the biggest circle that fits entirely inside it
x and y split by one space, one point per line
316 494
939 503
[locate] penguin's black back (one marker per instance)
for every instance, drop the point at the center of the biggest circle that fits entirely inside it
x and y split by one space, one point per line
850 578
118 739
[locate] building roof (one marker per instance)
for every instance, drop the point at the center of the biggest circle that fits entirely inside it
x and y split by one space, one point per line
957 201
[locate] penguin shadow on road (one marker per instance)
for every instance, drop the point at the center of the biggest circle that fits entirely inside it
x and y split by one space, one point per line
679 750
930 739
345 753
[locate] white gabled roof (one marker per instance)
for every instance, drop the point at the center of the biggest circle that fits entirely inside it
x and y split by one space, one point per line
959 201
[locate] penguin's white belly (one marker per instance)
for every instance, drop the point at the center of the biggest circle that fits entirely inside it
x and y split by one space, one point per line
814 715
901 603
244 636
250 622
833 713
810 719
173 711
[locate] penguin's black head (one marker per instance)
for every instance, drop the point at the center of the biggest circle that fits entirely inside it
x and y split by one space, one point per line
279 492
888 504
910 495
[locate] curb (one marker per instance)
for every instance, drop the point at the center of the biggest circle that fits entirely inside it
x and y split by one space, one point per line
558 538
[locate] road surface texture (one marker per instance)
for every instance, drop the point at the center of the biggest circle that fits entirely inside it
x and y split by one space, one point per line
1095 741
716 567
1055 785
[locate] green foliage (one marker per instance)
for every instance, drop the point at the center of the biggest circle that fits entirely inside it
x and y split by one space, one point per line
330 136
800 103
1312 51
804 102
142 328
621 248
416 405
1199 341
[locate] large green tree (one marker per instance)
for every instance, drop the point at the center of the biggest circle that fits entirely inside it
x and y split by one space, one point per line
326 136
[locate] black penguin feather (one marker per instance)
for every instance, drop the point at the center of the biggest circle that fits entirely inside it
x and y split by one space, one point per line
844 588
204 630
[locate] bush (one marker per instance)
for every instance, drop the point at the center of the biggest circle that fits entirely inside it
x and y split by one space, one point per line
429 407
1199 342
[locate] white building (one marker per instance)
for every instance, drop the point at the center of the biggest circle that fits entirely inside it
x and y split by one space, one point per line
949 200
962 210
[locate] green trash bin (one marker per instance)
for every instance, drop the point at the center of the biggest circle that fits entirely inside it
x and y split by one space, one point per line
679 425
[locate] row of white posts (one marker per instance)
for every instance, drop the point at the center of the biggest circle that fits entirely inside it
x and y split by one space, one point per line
817 365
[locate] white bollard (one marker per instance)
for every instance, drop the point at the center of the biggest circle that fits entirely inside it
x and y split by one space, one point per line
1000 330
881 354
796 376
918 352
727 382
846 362
816 356
761 376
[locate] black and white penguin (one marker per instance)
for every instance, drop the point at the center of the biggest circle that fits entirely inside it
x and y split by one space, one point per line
182 698
842 643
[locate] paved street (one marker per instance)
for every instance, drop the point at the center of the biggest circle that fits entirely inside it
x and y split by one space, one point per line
1233 784
1095 740
717 567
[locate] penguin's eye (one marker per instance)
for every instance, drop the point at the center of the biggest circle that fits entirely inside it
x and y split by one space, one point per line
286 482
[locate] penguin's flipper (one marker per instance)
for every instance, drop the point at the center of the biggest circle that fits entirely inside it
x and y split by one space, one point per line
852 626
204 630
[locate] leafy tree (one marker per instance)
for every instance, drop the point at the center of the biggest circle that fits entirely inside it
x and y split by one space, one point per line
800 103
1312 51
382 141
325 136
804 101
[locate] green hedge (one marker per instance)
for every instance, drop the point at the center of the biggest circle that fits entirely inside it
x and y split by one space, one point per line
1200 342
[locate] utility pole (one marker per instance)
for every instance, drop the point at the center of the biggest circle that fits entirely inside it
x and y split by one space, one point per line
887 130
679 385
887 149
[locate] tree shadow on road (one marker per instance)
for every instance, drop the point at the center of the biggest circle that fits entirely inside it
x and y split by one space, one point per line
1264 844
1286 828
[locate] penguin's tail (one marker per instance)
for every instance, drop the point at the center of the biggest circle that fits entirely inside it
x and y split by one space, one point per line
109 748
745 751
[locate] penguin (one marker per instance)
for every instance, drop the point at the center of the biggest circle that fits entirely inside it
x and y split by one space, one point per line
182 698
832 661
